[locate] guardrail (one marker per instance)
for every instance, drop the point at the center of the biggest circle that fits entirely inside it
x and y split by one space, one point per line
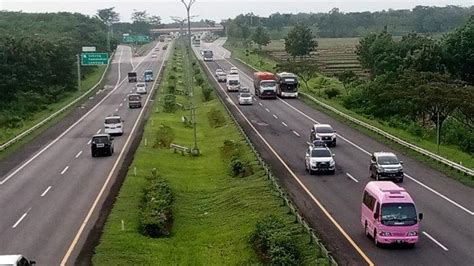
47 119
449 163
313 238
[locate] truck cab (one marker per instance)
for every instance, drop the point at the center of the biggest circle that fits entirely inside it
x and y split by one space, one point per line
132 76
233 82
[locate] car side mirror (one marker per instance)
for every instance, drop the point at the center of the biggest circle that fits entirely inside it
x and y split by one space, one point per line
32 262
334 131
372 161
333 155
420 216
122 120
111 138
376 216
401 162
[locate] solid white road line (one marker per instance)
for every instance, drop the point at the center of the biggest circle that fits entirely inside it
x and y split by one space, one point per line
351 177
296 133
46 191
276 117
98 131
436 241
64 170
78 154
109 177
284 124
21 218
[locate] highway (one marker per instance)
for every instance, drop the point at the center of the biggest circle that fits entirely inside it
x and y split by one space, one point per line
331 203
49 202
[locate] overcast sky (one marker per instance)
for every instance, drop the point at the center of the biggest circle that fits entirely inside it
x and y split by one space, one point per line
216 9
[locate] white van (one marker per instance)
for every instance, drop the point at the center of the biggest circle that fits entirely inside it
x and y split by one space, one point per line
233 82
113 125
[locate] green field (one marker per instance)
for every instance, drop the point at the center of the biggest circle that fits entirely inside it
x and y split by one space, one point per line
213 212
8 133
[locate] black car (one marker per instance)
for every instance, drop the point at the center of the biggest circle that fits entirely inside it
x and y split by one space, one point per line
102 144
385 165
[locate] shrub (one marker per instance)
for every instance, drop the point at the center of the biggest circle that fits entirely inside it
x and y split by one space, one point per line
332 93
155 214
216 118
239 167
273 242
164 137
206 93
169 105
172 88
230 149
199 80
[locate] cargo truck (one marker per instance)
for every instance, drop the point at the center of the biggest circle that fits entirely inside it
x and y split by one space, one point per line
148 75
287 85
265 85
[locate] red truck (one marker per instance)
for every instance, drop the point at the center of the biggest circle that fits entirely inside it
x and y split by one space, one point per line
265 85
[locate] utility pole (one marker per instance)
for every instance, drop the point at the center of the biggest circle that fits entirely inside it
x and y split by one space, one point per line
108 37
78 56
438 129
188 5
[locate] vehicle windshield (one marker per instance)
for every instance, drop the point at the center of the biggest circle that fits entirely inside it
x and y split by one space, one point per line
148 72
207 53
132 74
134 97
288 87
141 85
112 121
102 139
267 84
245 95
320 153
233 82
385 160
397 214
324 130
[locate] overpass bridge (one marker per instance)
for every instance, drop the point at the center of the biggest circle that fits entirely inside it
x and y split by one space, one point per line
193 29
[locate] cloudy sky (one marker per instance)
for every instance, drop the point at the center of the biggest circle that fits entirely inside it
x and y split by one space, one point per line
216 9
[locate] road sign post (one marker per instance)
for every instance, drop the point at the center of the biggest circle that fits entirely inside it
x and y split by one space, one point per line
93 59
78 72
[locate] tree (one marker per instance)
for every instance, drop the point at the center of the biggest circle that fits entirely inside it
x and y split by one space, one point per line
139 16
348 78
108 15
154 21
300 42
305 70
260 37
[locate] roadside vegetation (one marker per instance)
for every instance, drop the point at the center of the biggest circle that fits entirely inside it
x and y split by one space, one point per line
414 85
38 65
224 210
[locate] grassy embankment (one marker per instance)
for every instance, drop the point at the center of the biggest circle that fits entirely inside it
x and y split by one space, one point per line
8 133
320 83
213 212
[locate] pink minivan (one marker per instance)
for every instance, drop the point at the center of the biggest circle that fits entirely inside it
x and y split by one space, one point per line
388 214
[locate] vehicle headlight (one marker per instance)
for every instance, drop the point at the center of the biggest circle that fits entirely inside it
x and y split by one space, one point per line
332 162
385 233
400 168
412 233
313 163
380 169
333 136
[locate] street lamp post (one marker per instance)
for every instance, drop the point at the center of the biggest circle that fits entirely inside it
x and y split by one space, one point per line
187 5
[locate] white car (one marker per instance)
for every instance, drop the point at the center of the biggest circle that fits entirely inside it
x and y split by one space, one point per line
245 98
234 71
219 71
113 125
319 159
15 260
141 88
153 55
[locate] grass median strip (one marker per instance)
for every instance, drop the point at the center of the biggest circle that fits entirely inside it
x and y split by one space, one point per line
215 210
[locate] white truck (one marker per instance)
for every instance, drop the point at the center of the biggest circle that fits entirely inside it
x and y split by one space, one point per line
233 82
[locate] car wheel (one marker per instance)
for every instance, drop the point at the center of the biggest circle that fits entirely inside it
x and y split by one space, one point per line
376 241
377 176
371 175
93 155
400 180
366 229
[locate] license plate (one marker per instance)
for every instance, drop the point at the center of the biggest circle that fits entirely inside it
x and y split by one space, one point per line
100 145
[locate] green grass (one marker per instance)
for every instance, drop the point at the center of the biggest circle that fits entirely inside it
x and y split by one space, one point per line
448 151
9 133
213 212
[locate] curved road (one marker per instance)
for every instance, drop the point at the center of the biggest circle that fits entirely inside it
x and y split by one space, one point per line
280 130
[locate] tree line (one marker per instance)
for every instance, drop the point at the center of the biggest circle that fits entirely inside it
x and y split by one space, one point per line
38 59
421 19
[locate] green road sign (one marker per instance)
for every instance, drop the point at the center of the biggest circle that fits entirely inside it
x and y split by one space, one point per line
89 59
135 38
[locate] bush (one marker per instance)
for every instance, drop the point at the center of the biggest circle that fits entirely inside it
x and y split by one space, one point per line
239 167
206 93
230 149
216 118
199 80
332 93
273 242
164 137
155 214
169 105
172 88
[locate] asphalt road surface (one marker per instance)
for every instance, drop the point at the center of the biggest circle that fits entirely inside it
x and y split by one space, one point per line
331 203
47 201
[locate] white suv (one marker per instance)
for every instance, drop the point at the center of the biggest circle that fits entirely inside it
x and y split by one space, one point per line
319 158
141 87
15 260
113 125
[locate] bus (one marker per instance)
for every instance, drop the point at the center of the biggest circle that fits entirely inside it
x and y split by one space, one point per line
287 85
